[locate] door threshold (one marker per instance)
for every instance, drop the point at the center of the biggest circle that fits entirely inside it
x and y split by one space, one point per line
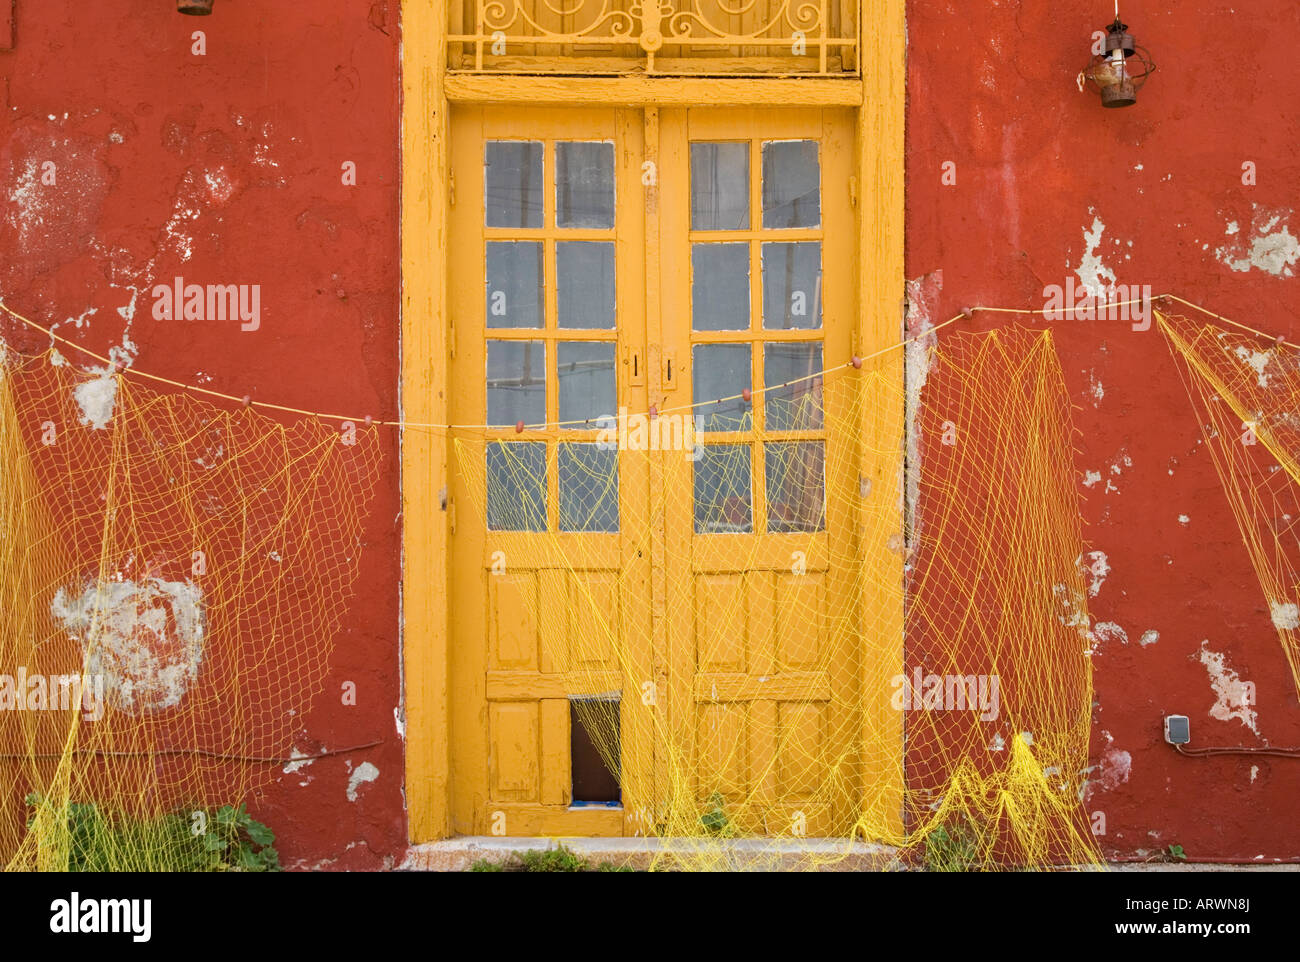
743 854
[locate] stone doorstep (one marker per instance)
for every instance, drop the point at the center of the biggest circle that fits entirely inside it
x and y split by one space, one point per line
458 854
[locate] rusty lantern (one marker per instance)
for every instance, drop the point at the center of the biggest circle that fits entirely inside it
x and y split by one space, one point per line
195 8
1122 70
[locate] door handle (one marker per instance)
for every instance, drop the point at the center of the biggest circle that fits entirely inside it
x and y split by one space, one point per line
635 366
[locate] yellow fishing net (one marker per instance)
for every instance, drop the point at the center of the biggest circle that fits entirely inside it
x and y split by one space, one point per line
1243 388
764 655
172 575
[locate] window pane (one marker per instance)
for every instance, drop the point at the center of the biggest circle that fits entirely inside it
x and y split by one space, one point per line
584 185
516 382
512 188
796 485
791 184
514 284
585 285
799 406
792 285
720 287
586 376
723 495
516 486
719 186
721 371
588 488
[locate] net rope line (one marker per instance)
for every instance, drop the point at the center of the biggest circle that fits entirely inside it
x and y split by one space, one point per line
967 313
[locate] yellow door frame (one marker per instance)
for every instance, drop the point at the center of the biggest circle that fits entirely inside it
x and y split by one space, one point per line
427 189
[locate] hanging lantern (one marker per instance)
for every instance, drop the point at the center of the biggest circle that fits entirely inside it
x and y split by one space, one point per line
1122 70
195 8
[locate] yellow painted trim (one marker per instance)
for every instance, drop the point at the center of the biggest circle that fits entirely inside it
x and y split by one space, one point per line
424 453
881 287
654 91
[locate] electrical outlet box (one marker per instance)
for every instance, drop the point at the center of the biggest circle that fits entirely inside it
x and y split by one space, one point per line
1178 729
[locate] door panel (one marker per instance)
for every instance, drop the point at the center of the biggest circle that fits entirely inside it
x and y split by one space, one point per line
763 696
707 585
549 573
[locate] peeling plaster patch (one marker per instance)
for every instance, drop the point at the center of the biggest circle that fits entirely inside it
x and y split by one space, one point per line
296 766
96 398
1090 478
147 639
998 743
399 722
1286 615
1095 570
1116 766
1233 694
1096 389
1269 249
365 772
1254 773
1182 518
1095 276
57 359
916 372
219 185
32 202
1074 608
1257 360
1107 631
1149 637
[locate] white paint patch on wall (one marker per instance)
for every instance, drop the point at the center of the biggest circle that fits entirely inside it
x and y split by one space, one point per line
1271 248
1090 478
1116 766
365 772
96 398
1256 361
1107 632
1095 569
1092 273
1149 637
1286 615
145 639
296 766
1233 694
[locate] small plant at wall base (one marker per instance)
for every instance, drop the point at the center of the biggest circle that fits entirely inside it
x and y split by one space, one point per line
951 847
230 840
558 859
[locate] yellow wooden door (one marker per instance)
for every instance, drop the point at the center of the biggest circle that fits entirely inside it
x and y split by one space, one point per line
549 579
697 603
758 257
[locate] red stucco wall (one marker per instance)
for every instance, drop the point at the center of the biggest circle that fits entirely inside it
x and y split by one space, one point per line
992 89
226 168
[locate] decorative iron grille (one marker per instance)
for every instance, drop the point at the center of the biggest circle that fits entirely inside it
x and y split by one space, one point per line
724 37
